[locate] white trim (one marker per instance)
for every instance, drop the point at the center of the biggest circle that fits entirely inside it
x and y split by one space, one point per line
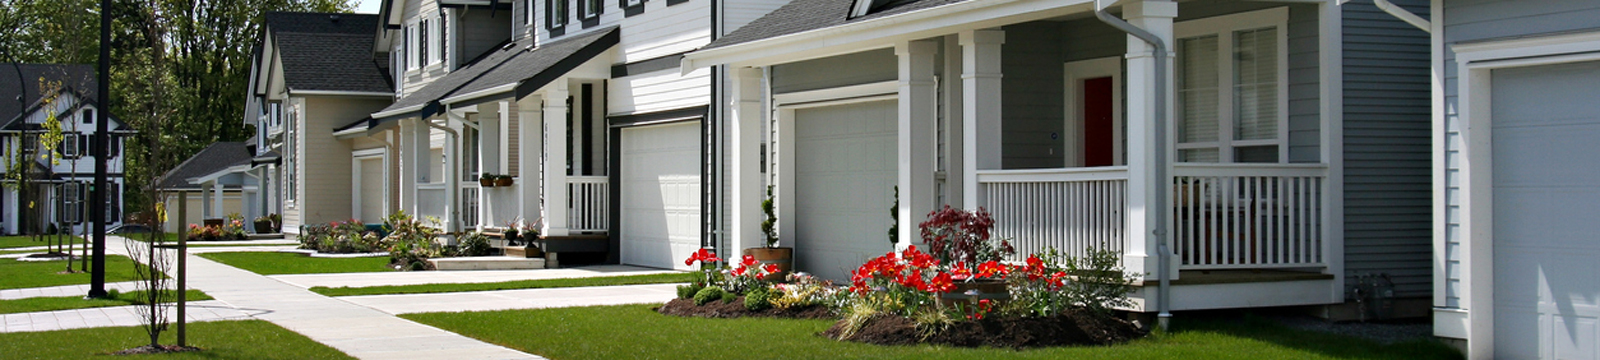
1075 72
480 93
293 92
1476 62
356 157
1441 201
399 111
1330 50
843 93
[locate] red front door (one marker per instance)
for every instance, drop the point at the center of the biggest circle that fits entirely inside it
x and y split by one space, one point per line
1098 134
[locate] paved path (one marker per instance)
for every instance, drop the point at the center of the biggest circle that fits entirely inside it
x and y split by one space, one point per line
459 276
60 291
198 311
517 299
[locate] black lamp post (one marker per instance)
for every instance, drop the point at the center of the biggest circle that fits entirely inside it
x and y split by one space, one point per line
97 213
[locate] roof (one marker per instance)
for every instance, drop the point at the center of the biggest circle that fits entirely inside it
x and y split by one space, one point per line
508 64
217 157
805 15
328 52
77 78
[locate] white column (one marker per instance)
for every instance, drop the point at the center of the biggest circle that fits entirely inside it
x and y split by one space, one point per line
744 159
452 170
980 108
555 163
205 202
216 200
951 84
1154 16
408 166
918 126
530 139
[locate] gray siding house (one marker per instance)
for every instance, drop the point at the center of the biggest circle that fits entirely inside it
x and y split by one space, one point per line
1296 141
1515 177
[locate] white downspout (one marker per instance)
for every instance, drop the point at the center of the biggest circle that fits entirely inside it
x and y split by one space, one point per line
1404 15
1164 292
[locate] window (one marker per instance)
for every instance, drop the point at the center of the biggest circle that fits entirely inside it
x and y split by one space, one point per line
88 116
289 158
556 13
72 202
1230 86
426 42
414 54
590 8
527 12
113 201
69 146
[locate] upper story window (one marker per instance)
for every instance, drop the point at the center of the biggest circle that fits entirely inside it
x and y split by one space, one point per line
70 146
590 9
556 14
413 54
1232 101
632 3
88 116
426 42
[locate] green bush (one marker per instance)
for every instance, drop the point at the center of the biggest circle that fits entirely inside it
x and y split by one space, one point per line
687 291
707 295
728 297
474 244
411 242
756 300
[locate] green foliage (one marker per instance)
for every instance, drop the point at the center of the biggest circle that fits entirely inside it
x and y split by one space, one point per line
768 226
341 237
473 244
707 295
22 274
242 339
931 322
894 219
411 242
757 300
688 291
1101 283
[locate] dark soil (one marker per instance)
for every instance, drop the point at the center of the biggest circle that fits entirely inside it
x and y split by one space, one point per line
1074 328
719 309
163 349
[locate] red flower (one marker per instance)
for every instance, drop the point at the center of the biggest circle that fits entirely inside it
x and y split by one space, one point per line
940 283
770 268
961 272
703 256
749 260
992 268
1058 279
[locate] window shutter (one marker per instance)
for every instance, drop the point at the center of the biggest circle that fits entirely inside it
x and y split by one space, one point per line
444 36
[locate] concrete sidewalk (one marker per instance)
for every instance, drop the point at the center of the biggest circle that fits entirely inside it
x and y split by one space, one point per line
198 311
517 299
459 276
61 291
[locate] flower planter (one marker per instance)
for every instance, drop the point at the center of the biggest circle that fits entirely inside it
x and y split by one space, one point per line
503 181
263 227
782 256
485 182
993 290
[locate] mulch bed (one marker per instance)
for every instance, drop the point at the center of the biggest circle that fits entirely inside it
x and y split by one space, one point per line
147 349
1075 328
719 309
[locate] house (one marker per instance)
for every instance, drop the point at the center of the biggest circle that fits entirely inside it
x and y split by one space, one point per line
58 189
311 74
219 174
1283 163
580 103
1515 182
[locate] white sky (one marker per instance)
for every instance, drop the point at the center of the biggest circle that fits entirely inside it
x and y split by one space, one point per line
368 6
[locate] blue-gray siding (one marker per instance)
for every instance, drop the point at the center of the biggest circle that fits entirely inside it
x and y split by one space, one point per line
1488 19
1387 227
843 70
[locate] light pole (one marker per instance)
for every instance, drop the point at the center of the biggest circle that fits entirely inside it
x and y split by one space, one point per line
97 213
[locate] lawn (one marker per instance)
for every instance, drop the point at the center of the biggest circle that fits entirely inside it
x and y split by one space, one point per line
19 274
200 244
508 285
78 302
278 263
636 332
7 242
248 339
169 237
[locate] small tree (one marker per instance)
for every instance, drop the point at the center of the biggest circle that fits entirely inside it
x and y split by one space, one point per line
768 225
151 278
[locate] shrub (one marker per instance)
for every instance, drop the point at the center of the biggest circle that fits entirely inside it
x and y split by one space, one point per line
411 242
955 235
1101 282
729 297
341 237
756 300
687 291
803 290
707 295
474 244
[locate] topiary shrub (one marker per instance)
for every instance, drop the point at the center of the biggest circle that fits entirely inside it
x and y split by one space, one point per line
707 295
756 300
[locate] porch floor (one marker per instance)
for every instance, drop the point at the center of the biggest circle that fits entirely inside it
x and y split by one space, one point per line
1208 277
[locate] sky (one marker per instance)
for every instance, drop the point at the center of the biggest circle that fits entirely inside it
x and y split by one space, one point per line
368 6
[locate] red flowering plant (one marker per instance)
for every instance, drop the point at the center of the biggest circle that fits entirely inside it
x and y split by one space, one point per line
749 275
1049 283
901 283
708 265
961 237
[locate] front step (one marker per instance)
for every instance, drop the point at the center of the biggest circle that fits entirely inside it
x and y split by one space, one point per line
487 263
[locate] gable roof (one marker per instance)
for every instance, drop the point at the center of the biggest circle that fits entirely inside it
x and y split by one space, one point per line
77 78
217 157
327 52
805 15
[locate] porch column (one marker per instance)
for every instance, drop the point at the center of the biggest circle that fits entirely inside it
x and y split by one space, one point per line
408 165
216 200
452 169
980 109
555 164
744 159
491 138
918 127
274 205
530 139
1154 16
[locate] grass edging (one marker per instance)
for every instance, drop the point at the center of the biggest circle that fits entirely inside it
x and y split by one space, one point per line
507 285
282 263
38 304
233 339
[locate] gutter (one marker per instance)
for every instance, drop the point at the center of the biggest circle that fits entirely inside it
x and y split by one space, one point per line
1404 15
396 112
339 93
1164 292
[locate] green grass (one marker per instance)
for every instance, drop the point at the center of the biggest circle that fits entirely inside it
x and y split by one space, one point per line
279 263
20 274
636 332
248 339
508 285
169 237
7 242
78 302
205 245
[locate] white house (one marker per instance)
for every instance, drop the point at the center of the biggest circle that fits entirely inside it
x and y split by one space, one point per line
1516 186
60 189
1275 155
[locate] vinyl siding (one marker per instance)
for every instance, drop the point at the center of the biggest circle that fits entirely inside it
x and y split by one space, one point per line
1478 20
1031 94
658 91
660 31
1388 218
325 175
478 32
843 70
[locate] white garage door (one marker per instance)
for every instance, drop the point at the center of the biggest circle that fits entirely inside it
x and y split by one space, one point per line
1546 145
371 194
660 194
844 185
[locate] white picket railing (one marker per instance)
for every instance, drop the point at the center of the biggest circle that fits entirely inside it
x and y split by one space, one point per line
1249 215
1070 210
588 203
431 202
470 211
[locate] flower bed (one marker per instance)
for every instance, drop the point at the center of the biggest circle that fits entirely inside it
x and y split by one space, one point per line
1070 328
408 242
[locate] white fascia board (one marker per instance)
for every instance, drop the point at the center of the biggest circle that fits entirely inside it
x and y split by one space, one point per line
881 33
385 114
480 93
340 93
218 174
350 133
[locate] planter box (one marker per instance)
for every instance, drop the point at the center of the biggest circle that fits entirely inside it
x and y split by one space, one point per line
782 256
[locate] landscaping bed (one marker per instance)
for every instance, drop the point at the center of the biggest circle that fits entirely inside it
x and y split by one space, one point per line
1067 329
737 309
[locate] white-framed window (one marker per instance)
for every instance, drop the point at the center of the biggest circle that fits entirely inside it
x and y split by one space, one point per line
69 145
413 50
290 161
1231 76
556 13
589 9
72 202
527 11
428 42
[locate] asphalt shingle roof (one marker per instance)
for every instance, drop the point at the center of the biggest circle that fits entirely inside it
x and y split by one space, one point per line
328 52
75 77
213 158
507 64
805 15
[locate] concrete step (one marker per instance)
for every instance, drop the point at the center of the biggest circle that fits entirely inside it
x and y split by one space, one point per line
523 251
487 263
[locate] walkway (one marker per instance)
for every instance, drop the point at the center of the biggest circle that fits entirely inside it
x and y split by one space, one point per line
458 277
517 299
198 311
61 291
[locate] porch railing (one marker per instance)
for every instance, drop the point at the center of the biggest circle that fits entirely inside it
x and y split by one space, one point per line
1249 215
470 212
431 202
1069 210
588 203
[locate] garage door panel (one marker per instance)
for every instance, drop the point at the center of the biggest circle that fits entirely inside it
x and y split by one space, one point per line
660 195
844 178
1546 193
